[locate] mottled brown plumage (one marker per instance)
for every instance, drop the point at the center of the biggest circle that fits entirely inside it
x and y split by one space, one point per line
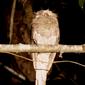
45 31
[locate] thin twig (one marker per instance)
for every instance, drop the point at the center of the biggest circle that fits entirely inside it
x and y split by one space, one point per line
13 72
68 61
18 56
12 20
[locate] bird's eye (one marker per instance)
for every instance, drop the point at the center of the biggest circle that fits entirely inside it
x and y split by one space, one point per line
34 41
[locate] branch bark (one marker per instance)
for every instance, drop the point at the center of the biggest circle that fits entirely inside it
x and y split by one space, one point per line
40 48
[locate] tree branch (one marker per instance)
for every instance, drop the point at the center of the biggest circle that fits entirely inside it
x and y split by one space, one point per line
12 20
40 48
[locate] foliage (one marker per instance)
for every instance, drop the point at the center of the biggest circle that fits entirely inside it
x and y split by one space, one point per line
81 3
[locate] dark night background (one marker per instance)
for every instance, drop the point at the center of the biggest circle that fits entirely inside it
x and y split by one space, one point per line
72 31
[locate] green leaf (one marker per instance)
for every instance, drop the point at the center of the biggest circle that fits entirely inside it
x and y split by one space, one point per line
81 3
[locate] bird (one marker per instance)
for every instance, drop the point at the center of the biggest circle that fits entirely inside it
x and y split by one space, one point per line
45 31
